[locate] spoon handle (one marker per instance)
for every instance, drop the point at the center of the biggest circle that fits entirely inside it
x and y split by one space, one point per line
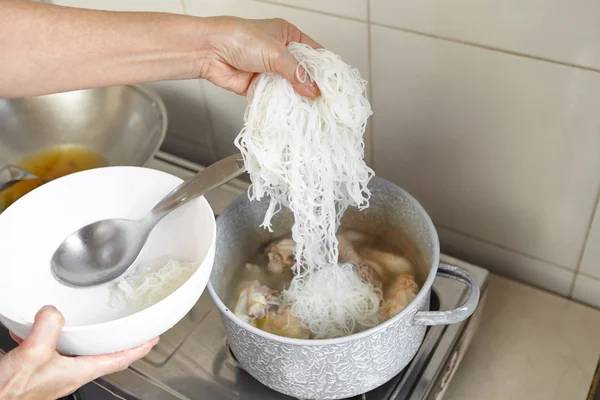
203 182
12 174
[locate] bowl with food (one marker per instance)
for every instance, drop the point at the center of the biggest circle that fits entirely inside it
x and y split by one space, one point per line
155 293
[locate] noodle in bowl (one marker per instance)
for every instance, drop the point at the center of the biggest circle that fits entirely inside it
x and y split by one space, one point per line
346 366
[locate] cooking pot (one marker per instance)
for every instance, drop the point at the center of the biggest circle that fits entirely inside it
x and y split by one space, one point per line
125 125
348 366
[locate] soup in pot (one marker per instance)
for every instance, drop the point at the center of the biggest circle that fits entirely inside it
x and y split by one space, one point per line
391 274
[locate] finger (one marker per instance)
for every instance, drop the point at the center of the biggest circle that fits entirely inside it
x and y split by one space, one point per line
15 338
47 326
97 366
41 342
296 35
287 65
286 32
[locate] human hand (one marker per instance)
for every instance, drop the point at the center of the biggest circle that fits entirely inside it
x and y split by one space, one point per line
239 49
35 370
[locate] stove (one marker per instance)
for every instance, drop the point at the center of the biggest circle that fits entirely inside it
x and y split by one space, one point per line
193 361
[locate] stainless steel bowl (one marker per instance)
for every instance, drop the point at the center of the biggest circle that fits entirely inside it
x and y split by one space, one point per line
124 124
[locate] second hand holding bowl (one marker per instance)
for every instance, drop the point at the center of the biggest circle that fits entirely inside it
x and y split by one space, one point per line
103 250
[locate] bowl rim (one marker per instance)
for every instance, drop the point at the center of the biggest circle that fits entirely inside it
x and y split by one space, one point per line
157 102
139 314
424 291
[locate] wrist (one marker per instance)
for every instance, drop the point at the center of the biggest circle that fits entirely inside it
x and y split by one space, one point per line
182 43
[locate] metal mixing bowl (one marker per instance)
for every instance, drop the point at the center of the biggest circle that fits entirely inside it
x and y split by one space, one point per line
126 125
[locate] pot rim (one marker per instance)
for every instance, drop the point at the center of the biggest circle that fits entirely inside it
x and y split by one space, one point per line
424 291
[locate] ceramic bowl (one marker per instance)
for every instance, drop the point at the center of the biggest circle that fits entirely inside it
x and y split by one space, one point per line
33 227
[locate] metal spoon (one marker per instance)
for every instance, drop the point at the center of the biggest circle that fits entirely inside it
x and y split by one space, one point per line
103 250
12 174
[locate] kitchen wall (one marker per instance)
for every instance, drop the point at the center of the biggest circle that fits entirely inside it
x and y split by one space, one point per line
486 111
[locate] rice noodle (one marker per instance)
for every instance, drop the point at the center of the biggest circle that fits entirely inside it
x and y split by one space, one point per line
150 283
333 301
307 155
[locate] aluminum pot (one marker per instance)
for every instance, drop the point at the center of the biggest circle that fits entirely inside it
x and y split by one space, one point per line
342 367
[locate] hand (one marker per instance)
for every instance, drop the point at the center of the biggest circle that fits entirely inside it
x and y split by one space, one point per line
238 49
35 370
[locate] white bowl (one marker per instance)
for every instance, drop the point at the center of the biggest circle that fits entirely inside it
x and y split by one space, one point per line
33 227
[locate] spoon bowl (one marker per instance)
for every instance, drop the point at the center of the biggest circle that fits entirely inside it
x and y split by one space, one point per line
114 242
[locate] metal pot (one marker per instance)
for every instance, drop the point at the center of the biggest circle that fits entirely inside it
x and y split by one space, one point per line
124 124
352 365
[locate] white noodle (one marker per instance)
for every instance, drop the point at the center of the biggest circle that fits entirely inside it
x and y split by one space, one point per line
150 283
333 301
307 155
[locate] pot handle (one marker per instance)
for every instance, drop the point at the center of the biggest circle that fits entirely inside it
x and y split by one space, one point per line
464 311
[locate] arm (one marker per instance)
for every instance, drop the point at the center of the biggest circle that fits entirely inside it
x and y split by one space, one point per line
48 48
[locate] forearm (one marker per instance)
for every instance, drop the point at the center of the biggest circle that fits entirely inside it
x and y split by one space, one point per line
46 48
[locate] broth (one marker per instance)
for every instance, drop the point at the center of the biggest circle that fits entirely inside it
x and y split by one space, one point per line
395 264
51 164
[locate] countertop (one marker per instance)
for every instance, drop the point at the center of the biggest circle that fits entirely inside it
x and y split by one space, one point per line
530 345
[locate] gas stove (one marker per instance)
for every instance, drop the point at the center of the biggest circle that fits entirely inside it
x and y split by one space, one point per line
193 361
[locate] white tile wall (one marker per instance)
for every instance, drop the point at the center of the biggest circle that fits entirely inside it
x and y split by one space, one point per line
506 262
566 31
171 6
501 148
347 8
587 290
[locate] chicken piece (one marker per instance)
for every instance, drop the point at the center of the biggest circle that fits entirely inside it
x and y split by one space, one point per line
281 255
398 295
393 263
369 272
283 323
254 301
253 268
346 251
354 237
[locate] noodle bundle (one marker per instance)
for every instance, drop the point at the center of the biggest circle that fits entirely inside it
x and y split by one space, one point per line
307 155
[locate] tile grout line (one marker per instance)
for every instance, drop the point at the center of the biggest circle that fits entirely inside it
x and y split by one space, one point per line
433 36
585 244
489 48
311 10
505 248
586 275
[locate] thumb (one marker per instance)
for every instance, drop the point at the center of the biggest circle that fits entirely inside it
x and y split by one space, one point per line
287 65
43 338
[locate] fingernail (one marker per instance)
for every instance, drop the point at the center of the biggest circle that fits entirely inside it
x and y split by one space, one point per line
48 307
314 89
